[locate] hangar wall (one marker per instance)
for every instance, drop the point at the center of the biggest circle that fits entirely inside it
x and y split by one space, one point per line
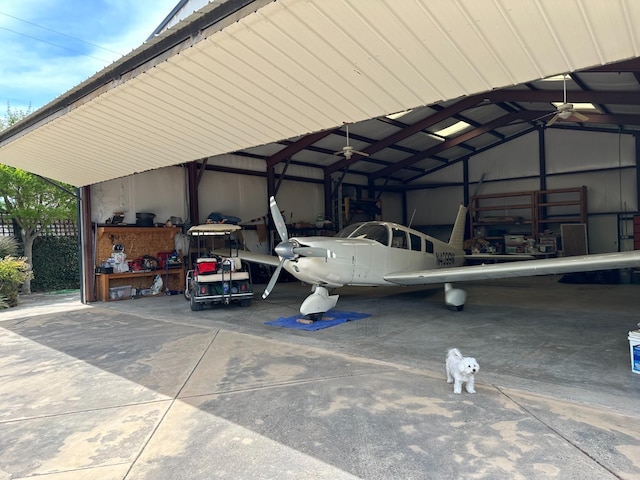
605 163
159 191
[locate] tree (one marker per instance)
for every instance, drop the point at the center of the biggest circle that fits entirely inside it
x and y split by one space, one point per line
32 201
13 116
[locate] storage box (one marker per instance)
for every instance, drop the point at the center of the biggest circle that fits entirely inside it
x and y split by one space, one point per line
548 243
513 240
120 293
634 347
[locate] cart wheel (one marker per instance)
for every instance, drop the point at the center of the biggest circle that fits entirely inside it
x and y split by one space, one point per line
195 306
245 302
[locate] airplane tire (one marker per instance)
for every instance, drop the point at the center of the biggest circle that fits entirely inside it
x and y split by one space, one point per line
315 316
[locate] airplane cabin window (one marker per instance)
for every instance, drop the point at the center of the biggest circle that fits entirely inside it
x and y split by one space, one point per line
348 230
429 247
372 231
416 242
399 239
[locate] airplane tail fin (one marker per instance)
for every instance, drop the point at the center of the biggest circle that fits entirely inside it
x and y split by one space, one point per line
457 234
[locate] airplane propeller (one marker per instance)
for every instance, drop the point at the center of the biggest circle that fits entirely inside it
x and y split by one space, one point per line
287 249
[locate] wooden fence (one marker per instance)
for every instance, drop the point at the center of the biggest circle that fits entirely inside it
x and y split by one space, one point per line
62 228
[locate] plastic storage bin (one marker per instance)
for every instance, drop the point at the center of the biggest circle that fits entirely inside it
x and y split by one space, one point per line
120 293
634 347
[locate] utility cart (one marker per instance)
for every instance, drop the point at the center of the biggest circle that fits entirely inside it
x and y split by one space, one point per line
218 276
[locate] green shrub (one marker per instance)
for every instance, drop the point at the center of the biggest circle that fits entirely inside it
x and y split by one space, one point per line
8 246
55 264
13 271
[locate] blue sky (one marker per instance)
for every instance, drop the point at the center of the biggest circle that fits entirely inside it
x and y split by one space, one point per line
49 46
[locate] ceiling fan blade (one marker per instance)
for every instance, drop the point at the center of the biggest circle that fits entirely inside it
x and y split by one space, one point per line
580 116
548 114
358 152
273 280
281 227
553 120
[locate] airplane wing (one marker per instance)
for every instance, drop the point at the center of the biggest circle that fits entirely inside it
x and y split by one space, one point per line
527 268
496 257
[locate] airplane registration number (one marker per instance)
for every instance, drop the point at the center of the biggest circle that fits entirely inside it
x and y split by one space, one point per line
445 259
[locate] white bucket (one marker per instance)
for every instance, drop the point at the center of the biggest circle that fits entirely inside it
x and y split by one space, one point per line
634 347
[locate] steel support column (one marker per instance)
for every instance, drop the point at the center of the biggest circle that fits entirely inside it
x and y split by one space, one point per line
86 246
192 182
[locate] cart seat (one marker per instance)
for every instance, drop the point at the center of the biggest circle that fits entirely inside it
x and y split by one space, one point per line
228 268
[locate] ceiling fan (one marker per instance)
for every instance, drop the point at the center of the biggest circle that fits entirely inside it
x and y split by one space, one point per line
348 150
565 110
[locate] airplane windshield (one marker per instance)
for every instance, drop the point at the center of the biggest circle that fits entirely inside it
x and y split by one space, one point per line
370 231
348 230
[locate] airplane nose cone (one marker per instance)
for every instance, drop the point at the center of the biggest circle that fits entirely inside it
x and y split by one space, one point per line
285 250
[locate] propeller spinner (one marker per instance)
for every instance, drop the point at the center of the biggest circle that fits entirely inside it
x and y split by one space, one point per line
287 249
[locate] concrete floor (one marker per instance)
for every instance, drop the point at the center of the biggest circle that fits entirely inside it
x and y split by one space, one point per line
147 389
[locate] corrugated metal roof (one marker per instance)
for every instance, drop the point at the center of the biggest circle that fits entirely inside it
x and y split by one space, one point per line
298 66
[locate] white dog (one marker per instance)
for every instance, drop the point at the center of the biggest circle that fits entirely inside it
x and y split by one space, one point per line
461 370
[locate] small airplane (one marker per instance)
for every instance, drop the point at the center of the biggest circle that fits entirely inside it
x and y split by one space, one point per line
378 253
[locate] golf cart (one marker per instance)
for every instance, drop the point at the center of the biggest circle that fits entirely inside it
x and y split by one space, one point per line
218 276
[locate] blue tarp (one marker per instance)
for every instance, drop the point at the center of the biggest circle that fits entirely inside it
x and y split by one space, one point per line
329 319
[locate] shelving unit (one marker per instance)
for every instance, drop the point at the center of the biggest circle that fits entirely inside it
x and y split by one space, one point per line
137 242
528 213
360 210
502 211
567 205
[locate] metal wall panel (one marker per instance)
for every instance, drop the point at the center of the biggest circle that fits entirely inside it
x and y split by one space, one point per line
574 150
517 158
295 67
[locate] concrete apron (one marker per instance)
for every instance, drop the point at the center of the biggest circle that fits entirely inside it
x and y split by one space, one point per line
146 389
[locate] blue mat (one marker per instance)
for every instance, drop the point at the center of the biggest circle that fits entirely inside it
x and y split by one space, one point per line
329 319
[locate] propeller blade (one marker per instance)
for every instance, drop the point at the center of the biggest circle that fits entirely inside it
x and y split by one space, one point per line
553 120
272 280
281 226
580 116
311 252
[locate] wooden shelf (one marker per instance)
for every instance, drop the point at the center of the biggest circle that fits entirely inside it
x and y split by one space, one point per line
137 242
139 280
537 209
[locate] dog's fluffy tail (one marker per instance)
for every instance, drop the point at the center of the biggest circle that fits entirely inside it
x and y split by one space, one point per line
454 352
